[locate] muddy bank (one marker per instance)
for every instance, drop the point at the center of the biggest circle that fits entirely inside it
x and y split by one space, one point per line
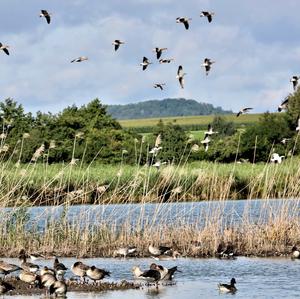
22 288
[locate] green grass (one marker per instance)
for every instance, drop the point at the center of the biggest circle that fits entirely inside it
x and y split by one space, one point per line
189 120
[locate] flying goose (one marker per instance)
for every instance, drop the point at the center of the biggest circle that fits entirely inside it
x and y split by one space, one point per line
285 140
96 274
295 80
60 268
159 51
167 60
117 43
228 288
210 131
79 269
158 164
207 65
159 85
243 111
156 251
207 14
145 63
5 287
206 142
44 13
284 104
295 253
80 59
4 48
184 21
180 76
124 251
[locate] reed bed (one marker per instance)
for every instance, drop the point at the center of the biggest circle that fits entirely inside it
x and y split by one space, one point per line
38 213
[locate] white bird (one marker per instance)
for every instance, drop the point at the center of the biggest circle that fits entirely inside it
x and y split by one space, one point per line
167 60
154 151
145 63
243 111
298 124
80 59
275 158
4 48
210 131
207 65
285 140
117 43
207 14
44 13
158 164
124 251
184 21
159 85
284 104
180 76
295 80
159 51
206 142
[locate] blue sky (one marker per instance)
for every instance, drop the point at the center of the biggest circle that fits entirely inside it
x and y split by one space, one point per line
254 43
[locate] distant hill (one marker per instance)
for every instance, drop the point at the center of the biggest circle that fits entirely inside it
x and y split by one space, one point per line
163 108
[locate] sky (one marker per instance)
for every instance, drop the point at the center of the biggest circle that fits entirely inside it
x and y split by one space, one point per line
255 44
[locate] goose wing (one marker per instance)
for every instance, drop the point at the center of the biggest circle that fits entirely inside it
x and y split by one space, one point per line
6 51
186 24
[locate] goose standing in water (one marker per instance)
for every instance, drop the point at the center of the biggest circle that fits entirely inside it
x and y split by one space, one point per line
295 80
180 76
243 111
228 288
295 253
184 21
159 85
145 63
6 268
60 268
284 104
26 266
165 273
96 274
207 14
117 44
44 13
165 257
207 65
152 275
4 48
159 51
79 59
167 60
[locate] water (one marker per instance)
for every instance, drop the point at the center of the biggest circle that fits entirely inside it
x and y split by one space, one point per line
256 278
194 213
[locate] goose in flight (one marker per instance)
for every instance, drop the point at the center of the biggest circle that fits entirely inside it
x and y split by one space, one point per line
243 111
210 131
169 60
207 65
117 43
184 21
80 59
180 76
207 14
284 104
159 85
44 13
159 51
145 63
295 80
206 142
4 48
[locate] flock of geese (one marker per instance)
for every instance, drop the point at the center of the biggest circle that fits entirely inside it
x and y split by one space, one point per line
55 284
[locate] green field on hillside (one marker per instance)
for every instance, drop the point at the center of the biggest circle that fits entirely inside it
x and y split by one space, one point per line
189 120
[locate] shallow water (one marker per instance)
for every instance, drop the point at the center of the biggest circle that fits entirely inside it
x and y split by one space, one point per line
256 278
